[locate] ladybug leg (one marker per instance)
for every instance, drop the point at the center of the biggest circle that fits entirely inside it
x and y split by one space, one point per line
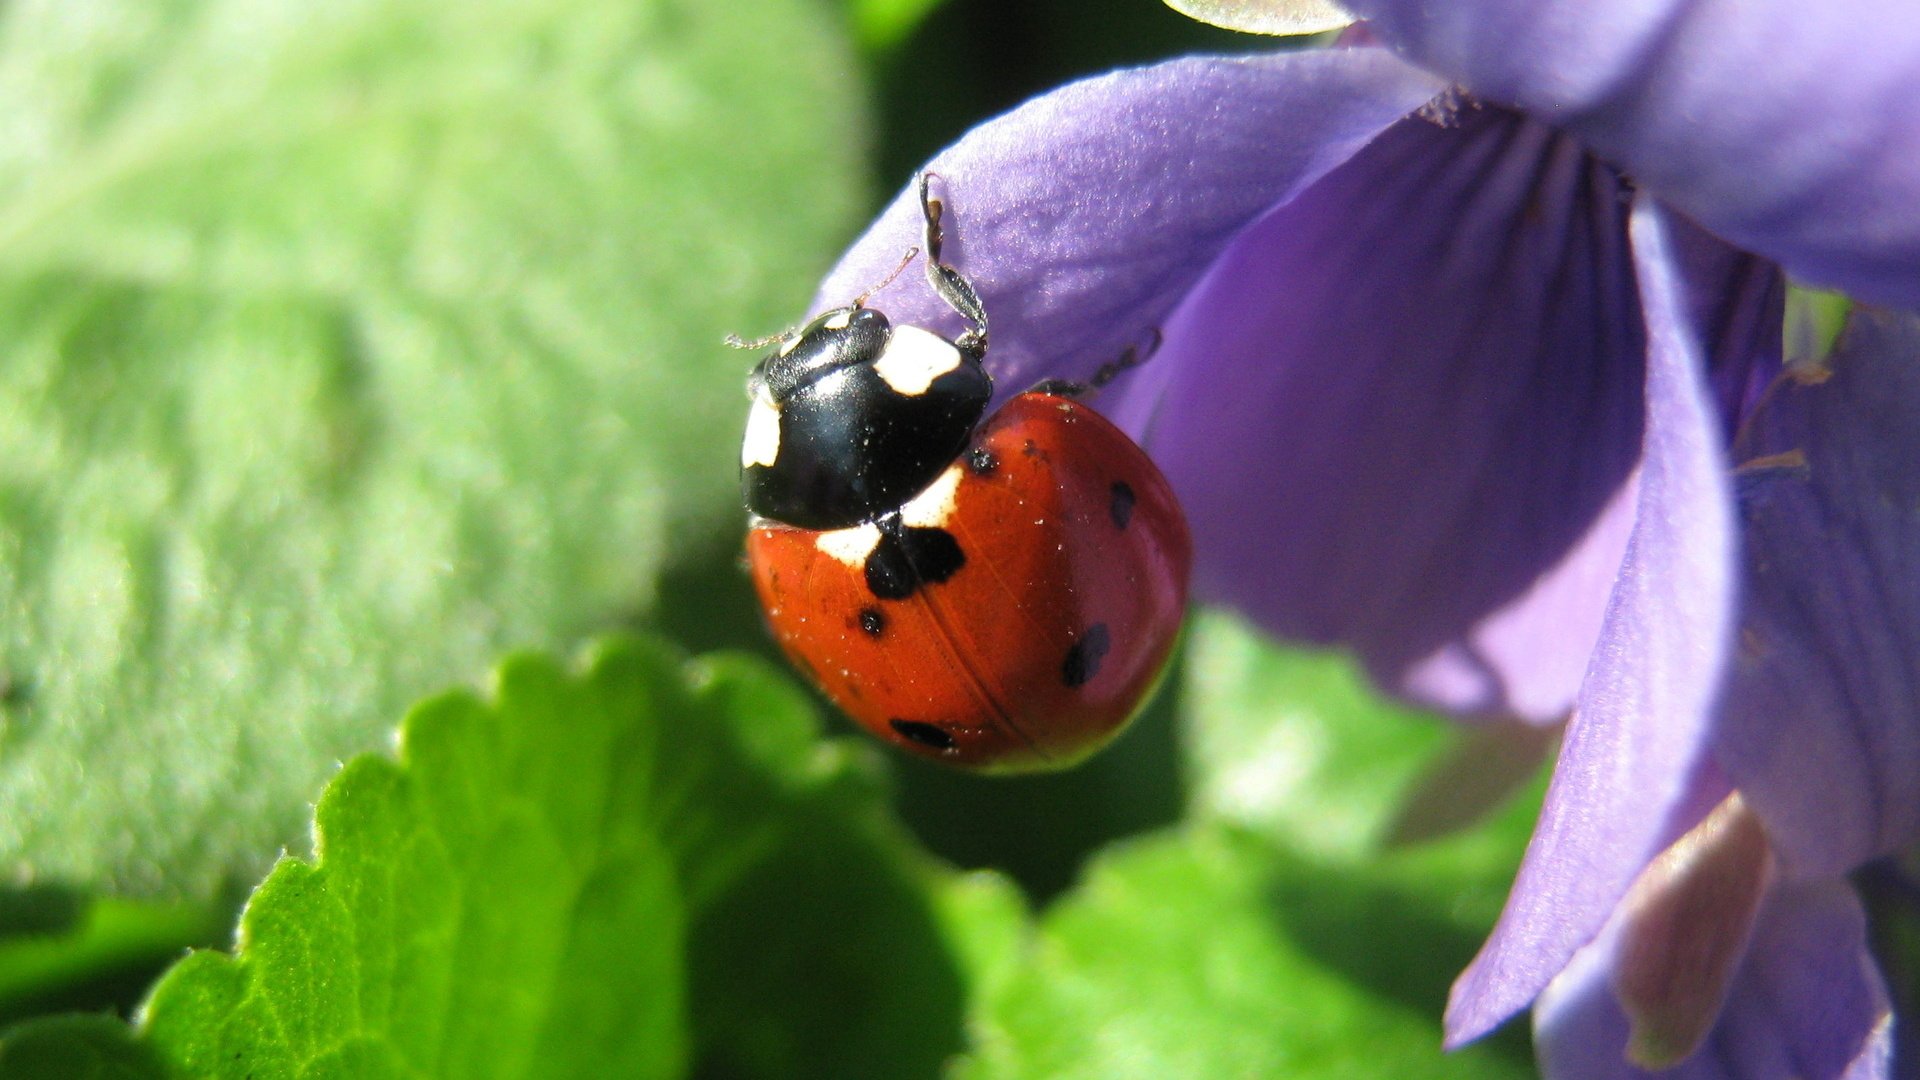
1109 371
1127 361
861 300
955 289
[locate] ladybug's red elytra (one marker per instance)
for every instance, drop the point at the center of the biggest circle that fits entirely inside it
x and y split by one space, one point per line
1001 595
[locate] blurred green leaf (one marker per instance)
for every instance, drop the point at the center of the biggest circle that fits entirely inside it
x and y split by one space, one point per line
883 24
1215 953
347 343
986 922
39 911
1298 745
616 874
109 955
1815 319
80 1048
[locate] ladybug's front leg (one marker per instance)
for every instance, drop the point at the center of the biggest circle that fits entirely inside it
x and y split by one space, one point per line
1109 371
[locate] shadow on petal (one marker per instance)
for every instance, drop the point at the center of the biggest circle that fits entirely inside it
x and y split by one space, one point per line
1403 400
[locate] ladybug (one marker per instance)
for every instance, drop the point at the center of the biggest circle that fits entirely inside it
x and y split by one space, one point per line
1001 594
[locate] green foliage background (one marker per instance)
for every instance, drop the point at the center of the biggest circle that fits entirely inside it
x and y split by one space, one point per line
348 347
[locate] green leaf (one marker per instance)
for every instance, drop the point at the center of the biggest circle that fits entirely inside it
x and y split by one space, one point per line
827 955
1298 745
1815 319
1216 953
110 952
986 922
347 343
627 873
79 1048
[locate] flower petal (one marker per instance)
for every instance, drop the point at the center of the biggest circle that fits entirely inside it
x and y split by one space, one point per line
1790 128
1736 303
1404 410
1083 216
1631 769
1806 1004
1822 721
1684 928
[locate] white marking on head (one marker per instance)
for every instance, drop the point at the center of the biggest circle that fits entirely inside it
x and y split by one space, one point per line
850 546
838 319
914 358
762 444
933 508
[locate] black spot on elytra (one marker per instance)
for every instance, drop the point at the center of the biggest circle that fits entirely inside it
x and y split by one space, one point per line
909 557
872 621
1032 449
1121 505
982 461
928 735
1083 660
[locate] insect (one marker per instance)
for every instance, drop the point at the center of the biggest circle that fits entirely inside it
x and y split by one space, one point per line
1001 594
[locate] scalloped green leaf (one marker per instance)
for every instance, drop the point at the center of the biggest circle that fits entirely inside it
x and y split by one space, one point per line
639 871
348 343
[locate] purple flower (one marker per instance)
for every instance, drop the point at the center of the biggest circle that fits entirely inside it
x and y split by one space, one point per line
1438 383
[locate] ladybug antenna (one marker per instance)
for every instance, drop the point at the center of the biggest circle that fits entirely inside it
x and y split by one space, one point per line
956 290
738 342
861 300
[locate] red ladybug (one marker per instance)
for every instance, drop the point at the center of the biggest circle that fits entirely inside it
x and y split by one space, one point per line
1000 595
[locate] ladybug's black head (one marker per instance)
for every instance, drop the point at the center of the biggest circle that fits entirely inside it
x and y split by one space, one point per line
852 417
840 338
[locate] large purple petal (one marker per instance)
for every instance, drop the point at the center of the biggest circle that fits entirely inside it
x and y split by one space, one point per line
1736 302
1790 128
1408 402
1806 1004
1083 216
1822 722
1630 770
